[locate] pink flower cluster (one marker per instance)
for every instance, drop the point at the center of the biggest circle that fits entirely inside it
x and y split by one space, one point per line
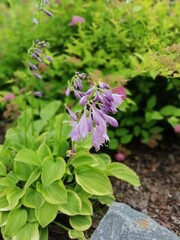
75 20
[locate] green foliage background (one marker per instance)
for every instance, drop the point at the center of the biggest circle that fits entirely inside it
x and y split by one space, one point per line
135 44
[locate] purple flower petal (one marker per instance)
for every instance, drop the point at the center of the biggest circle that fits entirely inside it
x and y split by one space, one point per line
72 114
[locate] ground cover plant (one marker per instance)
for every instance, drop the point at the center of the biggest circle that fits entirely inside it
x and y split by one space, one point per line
129 51
46 165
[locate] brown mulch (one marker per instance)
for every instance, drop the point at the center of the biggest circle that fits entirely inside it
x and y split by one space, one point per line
159 194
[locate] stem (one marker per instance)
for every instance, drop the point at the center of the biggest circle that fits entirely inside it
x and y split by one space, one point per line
62 226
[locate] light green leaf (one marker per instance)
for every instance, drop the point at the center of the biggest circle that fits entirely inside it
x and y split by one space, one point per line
126 139
83 158
55 193
168 110
15 221
33 177
46 214
156 115
73 205
113 144
151 102
93 180
29 232
123 172
43 151
28 156
4 205
86 208
107 199
3 218
73 234
52 171
33 199
22 170
104 157
50 110
80 223
2 170
14 195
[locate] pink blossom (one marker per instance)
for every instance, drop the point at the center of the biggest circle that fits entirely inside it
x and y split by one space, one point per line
120 157
75 20
177 128
8 97
121 91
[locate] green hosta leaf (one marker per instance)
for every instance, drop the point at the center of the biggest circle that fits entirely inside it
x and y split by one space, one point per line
83 158
39 125
85 145
22 170
55 193
93 180
28 156
33 199
62 128
123 172
80 223
2 170
31 215
126 139
86 208
43 234
73 205
104 157
177 113
107 199
50 110
29 232
52 171
46 214
14 195
168 110
73 234
33 177
78 189
15 221
4 205
43 151
3 218
151 102
10 180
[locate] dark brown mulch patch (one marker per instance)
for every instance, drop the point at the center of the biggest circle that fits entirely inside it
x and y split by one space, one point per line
159 194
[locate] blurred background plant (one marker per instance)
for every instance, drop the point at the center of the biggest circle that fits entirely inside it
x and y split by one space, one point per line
134 44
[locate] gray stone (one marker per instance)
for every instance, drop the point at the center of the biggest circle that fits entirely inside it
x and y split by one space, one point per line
121 222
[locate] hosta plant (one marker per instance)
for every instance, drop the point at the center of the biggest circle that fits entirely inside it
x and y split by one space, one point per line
46 168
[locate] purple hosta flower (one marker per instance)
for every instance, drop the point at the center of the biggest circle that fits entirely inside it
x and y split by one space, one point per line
50 59
80 129
75 20
177 128
32 66
121 91
37 75
49 14
38 94
46 2
68 90
72 115
8 97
